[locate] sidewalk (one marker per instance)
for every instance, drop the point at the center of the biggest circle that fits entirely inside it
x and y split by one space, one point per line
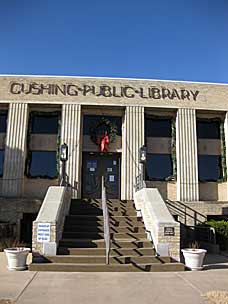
86 288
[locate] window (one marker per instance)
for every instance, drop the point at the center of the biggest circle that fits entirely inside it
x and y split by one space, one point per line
46 123
1 162
208 129
158 166
43 164
42 158
209 167
3 119
155 127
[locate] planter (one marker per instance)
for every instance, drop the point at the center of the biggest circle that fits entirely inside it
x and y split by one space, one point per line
194 258
17 257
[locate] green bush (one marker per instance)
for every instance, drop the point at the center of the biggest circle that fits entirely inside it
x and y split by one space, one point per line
221 229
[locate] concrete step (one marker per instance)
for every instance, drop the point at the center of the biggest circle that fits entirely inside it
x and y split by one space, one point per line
99 218
99 259
91 202
70 267
99 235
71 221
111 207
89 243
98 212
94 229
101 251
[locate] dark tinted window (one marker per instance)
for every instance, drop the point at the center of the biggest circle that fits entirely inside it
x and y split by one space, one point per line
90 121
1 162
158 166
208 129
209 167
3 119
44 124
43 164
158 127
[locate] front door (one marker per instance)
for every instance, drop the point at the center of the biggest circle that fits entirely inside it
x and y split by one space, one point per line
96 165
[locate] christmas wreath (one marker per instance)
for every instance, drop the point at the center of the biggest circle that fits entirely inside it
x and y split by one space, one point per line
104 132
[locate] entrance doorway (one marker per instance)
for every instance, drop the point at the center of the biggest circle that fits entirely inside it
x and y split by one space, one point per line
96 165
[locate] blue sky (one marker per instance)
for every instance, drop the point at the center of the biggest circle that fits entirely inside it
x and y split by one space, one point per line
163 39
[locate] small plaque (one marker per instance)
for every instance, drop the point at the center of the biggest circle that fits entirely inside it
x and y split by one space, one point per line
169 231
43 232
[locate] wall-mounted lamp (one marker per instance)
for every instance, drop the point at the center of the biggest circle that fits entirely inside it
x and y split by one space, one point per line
64 152
142 154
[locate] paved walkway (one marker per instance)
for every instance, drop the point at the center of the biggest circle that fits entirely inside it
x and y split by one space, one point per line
85 288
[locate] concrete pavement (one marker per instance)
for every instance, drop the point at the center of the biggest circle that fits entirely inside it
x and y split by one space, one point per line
52 287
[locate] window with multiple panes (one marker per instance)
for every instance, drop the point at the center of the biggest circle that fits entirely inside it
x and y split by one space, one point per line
158 138
209 149
42 162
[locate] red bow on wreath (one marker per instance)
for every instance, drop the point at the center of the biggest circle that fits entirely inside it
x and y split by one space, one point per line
103 143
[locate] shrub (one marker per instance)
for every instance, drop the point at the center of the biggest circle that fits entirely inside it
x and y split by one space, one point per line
221 229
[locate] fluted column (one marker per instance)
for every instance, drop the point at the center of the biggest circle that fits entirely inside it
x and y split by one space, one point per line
187 158
15 150
71 135
226 143
132 140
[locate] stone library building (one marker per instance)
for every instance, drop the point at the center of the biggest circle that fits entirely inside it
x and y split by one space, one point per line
104 123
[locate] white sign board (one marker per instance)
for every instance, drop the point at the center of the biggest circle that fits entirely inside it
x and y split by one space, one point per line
43 232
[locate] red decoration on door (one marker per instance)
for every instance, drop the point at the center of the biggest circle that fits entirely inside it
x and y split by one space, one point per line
103 143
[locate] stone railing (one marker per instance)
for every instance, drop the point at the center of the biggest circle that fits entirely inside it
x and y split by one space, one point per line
48 226
161 228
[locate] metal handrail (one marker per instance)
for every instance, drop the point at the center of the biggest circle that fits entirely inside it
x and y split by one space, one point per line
186 211
209 234
139 182
106 221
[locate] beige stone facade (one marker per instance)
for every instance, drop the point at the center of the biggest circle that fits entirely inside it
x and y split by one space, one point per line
130 100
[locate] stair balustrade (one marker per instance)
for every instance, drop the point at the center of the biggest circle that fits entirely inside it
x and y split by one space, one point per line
106 221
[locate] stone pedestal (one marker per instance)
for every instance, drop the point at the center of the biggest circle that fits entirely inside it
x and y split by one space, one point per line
71 135
15 150
132 140
187 158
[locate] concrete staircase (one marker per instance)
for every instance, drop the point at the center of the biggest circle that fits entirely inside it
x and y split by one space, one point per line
82 247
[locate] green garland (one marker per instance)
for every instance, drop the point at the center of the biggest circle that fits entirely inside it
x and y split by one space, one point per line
223 169
29 152
112 130
222 165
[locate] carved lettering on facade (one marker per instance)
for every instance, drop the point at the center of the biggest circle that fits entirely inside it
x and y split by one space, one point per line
127 91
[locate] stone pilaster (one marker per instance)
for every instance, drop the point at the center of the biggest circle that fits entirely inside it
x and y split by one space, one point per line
132 140
71 135
187 158
15 150
226 143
